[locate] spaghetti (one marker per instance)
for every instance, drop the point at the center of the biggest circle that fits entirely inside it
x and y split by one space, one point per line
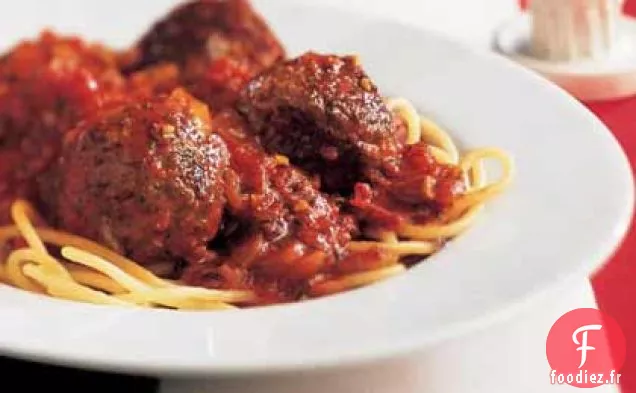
83 270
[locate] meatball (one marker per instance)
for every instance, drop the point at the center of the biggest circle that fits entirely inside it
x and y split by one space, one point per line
324 113
46 87
218 45
146 179
280 229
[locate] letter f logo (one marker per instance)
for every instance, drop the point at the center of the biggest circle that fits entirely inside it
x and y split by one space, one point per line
584 348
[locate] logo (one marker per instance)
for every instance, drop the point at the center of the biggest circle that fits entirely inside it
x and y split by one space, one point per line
585 348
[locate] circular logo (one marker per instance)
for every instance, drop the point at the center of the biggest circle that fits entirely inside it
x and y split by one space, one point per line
585 348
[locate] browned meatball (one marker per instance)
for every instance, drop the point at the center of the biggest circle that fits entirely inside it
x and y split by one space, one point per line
280 229
146 179
326 115
46 87
218 45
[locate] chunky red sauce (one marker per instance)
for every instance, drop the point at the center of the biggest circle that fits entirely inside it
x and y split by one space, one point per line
417 192
260 182
280 229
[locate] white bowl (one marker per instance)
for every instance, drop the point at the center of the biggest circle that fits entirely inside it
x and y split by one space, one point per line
566 212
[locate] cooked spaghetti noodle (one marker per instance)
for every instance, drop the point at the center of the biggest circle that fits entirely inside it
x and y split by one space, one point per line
86 271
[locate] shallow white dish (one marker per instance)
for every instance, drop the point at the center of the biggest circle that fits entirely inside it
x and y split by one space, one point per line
567 210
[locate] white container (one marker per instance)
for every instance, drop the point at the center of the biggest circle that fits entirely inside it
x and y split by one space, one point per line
569 30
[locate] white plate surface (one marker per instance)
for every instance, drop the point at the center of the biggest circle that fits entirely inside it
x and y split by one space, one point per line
569 207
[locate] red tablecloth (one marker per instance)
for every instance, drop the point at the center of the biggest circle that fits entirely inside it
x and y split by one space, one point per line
615 284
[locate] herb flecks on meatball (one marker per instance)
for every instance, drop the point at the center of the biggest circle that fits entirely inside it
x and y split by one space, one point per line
146 179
